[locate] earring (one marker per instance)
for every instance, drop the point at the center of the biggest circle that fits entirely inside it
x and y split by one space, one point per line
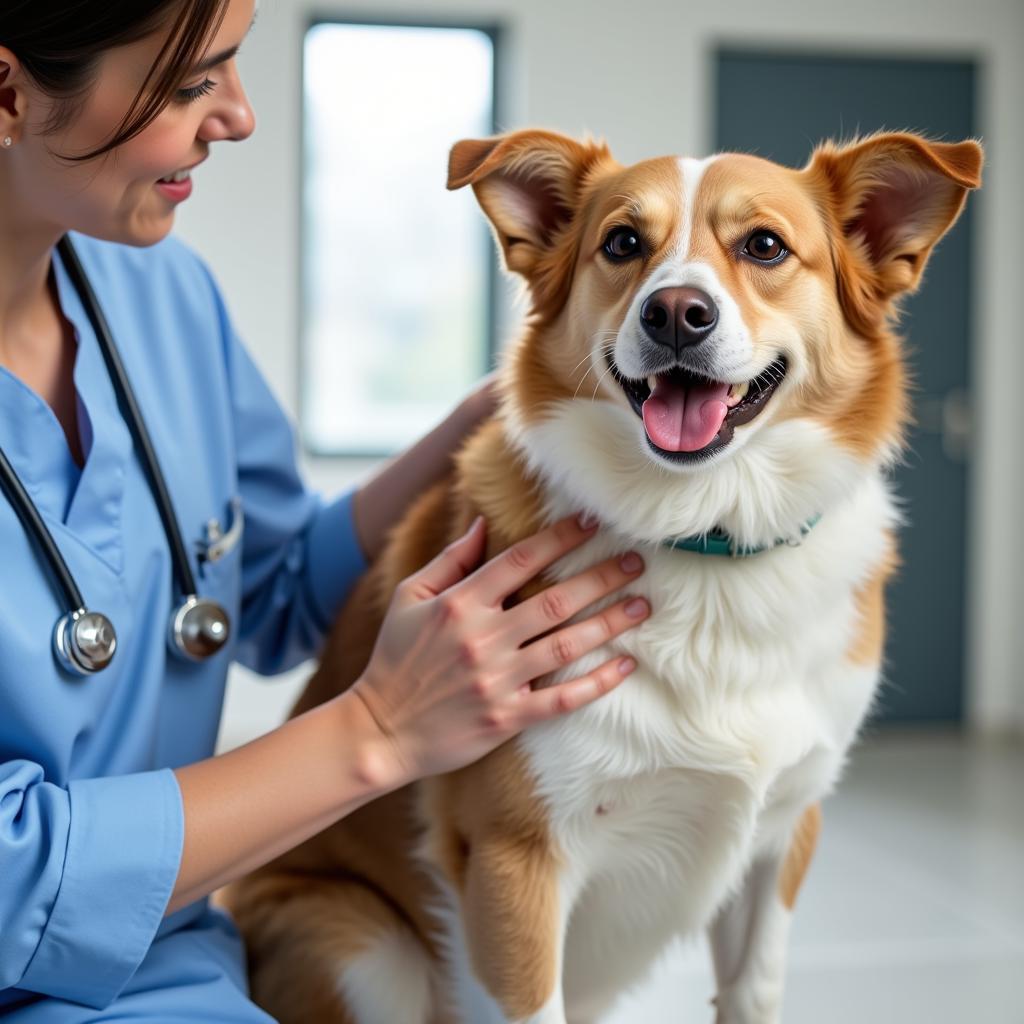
8 142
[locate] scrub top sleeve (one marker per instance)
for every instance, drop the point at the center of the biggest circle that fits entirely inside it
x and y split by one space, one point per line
85 877
300 554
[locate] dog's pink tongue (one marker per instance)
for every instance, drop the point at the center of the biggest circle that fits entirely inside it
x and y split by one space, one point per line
685 419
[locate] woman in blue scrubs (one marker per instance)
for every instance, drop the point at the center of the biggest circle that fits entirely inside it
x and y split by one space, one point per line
116 821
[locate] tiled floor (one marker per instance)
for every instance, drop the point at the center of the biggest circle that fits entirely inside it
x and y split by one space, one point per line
913 912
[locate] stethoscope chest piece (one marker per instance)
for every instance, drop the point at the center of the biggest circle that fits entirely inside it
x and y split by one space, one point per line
85 642
199 628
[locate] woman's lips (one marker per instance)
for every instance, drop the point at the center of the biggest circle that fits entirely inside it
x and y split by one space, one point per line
176 191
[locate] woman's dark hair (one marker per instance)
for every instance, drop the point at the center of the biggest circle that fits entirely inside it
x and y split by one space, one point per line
60 43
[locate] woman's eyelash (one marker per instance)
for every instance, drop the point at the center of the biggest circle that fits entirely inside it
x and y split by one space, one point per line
195 92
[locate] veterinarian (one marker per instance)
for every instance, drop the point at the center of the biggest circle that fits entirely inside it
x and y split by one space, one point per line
116 821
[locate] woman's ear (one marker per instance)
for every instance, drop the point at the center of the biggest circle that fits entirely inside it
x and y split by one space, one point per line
13 95
528 184
889 198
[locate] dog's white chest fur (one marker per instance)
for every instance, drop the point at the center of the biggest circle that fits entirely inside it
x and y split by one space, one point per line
739 714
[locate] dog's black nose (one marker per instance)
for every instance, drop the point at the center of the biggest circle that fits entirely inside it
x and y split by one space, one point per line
677 317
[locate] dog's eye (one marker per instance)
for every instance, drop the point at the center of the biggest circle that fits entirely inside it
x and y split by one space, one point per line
622 244
765 246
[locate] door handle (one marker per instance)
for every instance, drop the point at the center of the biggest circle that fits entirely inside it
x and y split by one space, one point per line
950 417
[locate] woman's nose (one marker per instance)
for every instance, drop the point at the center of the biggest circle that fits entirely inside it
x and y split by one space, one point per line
230 119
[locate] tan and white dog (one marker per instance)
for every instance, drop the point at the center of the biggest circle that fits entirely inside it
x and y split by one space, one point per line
709 364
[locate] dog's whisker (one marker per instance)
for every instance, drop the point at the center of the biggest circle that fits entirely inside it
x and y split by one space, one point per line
584 378
582 381
601 350
598 384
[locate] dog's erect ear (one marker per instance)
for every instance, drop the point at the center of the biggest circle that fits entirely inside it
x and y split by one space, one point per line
891 198
528 184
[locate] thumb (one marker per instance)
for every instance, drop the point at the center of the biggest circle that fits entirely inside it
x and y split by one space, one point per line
456 562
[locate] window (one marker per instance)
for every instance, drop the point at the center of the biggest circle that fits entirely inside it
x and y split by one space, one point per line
397 271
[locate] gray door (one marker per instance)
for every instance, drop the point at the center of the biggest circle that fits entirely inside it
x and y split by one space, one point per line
778 106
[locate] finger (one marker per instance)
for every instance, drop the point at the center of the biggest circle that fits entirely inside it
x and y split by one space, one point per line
562 601
507 572
541 705
457 560
566 645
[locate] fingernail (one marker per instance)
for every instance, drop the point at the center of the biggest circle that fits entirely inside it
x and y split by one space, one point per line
626 665
637 608
587 520
631 562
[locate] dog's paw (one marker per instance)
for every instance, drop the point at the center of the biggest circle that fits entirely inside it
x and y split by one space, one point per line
749 1004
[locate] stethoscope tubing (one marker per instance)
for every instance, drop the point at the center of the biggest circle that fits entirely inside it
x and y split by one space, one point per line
132 415
33 523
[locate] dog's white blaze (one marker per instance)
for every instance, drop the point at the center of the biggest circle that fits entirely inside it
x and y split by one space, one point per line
730 349
390 982
626 351
690 172
729 353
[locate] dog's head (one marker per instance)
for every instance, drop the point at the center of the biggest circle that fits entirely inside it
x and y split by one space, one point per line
712 314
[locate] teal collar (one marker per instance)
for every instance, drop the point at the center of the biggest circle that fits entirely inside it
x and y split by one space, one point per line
716 542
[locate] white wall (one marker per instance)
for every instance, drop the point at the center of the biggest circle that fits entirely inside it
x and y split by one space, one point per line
639 74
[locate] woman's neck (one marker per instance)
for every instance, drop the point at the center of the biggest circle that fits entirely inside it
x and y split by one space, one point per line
27 308
37 344
26 247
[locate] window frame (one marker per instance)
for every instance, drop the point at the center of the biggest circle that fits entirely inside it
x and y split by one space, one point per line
488 250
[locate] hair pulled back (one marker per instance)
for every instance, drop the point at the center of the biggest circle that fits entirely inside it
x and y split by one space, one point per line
60 44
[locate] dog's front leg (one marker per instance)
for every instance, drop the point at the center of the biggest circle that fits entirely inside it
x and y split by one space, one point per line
748 938
515 914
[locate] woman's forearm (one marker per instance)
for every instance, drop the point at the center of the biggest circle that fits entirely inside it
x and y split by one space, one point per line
251 804
380 502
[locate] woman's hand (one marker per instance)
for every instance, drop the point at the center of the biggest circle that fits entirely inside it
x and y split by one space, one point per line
449 677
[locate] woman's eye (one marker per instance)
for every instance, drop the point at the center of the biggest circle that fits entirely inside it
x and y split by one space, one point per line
622 243
195 92
765 246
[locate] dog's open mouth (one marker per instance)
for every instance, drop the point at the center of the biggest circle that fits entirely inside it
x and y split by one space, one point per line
688 416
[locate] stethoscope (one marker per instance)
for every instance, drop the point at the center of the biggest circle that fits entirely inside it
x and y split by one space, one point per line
85 641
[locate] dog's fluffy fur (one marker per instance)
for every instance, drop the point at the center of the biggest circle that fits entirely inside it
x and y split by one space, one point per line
539 883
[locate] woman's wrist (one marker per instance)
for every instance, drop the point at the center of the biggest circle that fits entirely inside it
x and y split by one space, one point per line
377 765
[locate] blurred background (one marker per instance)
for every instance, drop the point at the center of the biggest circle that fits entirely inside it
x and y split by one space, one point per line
371 298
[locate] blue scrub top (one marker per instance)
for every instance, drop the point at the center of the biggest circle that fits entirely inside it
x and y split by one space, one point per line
91 821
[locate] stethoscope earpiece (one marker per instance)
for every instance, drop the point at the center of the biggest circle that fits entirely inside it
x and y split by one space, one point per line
85 642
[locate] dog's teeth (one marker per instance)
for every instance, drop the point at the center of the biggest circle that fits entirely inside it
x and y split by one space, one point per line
740 390
652 382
